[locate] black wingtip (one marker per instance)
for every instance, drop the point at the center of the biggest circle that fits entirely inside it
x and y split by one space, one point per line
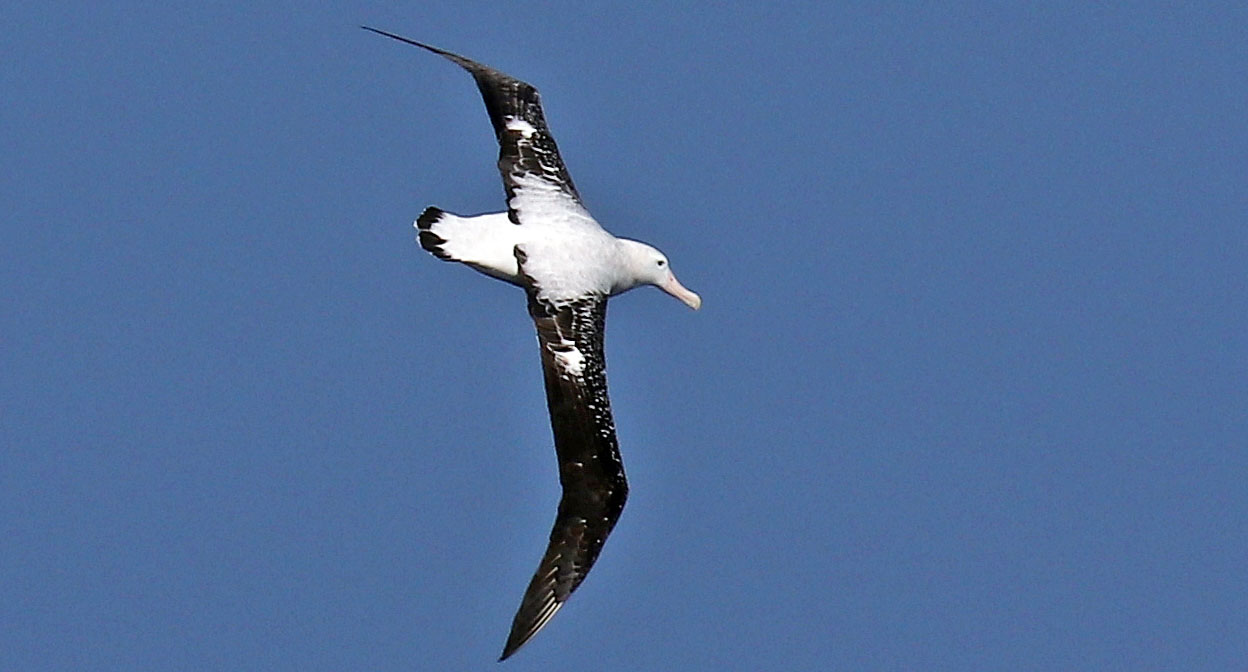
401 38
515 640
441 52
518 637
382 32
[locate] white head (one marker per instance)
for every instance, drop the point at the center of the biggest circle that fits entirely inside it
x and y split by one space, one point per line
648 266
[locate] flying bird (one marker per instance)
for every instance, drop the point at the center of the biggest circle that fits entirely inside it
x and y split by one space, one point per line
548 244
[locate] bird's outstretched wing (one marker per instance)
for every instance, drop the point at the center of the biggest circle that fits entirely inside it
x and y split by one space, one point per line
533 174
590 470
540 192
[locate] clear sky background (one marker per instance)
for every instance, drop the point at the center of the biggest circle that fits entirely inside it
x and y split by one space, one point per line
969 390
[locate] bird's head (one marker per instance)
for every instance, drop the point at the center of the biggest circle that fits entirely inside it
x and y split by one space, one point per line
648 266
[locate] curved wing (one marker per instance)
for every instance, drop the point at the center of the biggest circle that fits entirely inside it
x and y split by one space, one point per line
590 470
533 174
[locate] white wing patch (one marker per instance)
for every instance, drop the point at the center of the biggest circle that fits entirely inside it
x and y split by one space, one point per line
569 360
538 202
521 126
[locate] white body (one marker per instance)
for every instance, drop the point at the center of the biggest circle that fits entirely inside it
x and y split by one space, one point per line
567 254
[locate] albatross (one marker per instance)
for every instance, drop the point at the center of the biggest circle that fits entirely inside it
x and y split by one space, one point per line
548 244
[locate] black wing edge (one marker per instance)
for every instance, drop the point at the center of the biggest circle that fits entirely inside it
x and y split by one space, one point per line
521 153
590 470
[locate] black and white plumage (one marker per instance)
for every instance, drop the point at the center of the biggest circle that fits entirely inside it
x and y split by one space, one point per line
548 244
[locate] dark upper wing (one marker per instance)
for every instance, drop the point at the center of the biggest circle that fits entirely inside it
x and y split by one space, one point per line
590 470
528 157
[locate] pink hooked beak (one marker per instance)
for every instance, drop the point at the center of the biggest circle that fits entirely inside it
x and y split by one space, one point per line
673 287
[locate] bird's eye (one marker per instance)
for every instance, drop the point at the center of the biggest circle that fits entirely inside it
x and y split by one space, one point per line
661 263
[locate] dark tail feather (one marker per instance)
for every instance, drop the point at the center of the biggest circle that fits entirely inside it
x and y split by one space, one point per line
429 240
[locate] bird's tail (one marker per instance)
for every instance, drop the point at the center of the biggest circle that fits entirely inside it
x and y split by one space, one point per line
484 242
427 227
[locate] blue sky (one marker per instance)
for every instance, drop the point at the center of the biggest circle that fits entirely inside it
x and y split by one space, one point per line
968 389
